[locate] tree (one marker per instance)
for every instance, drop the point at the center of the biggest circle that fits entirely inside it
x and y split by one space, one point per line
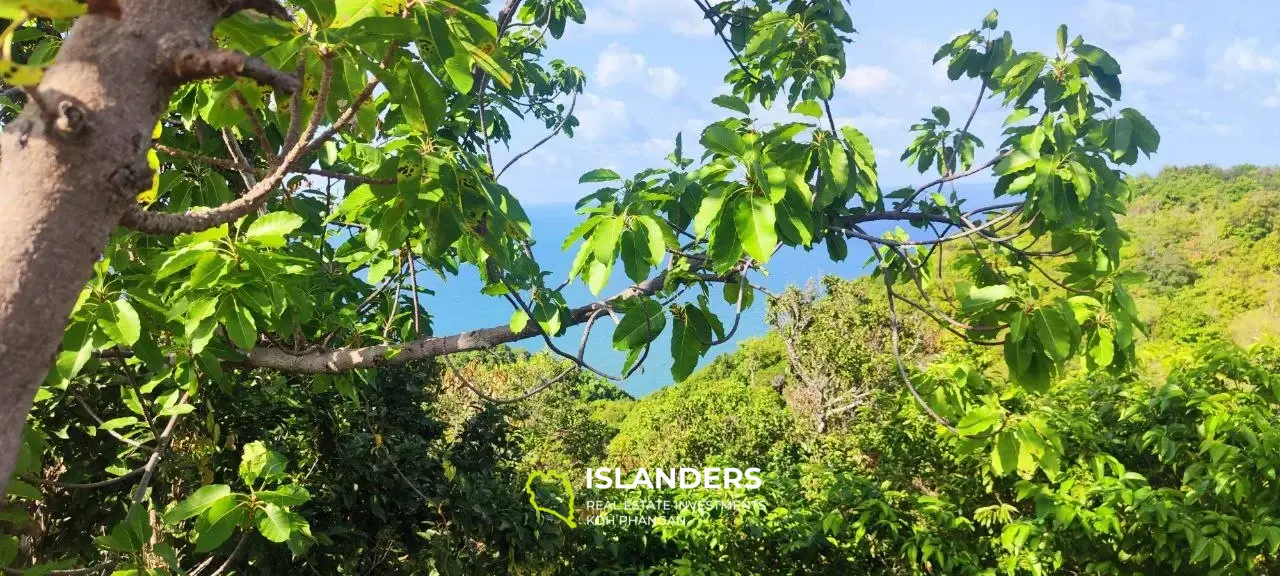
234 192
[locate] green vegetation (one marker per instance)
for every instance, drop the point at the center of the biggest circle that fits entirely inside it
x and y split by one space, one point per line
248 382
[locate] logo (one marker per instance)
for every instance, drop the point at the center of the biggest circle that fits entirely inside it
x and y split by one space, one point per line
533 495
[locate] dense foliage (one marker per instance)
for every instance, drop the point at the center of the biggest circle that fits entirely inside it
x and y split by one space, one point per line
256 379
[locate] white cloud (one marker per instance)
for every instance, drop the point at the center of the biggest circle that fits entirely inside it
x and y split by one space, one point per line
863 80
664 81
1113 19
1246 55
872 123
619 66
1141 62
680 17
600 118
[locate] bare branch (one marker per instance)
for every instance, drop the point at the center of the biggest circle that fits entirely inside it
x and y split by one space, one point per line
546 139
166 223
91 485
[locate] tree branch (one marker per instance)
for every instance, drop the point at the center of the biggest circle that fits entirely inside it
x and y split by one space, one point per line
201 63
343 360
167 223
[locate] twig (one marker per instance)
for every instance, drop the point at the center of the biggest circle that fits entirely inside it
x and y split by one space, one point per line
548 137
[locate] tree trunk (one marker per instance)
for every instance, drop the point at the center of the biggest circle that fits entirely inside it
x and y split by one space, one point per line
70 165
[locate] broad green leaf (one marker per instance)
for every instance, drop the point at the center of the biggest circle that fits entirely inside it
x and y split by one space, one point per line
120 321
270 229
240 325
980 299
1144 133
732 103
421 99
290 495
1098 57
690 336
599 175
657 237
1054 332
640 325
721 140
348 12
275 523
605 237
489 65
978 420
808 108
258 462
634 249
199 501
1004 455
756 222
519 319
216 524
1103 350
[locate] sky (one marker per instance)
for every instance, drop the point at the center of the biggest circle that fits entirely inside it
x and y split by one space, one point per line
1206 74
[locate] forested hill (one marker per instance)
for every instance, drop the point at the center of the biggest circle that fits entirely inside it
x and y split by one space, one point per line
862 482
1205 238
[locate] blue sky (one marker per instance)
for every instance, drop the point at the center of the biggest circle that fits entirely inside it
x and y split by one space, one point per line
1207 75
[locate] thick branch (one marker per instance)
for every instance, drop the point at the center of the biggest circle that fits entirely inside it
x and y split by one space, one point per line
338 361
202 63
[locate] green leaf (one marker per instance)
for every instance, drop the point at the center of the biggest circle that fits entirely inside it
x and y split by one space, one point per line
980 299
690 337
1121 136
599 175
270 229
605 237
121 322
721 140
519 319
290 495
1054 332
991 20
808 108
1062 39
756 222
421 100
1144 133
978 421
640 325
257 462
1103 350
216 524
1004 456
348 12
489 65
634 250
241 328
275 523
1098 57
732 103
657 237
197 502
942 115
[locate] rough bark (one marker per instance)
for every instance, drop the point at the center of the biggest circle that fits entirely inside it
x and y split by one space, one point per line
70 165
